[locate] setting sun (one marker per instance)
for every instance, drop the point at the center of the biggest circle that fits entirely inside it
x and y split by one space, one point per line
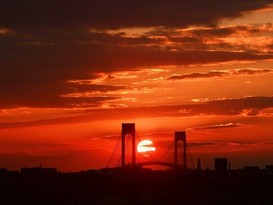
145 146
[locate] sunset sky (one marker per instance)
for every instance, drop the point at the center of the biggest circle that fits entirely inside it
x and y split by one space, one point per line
71 72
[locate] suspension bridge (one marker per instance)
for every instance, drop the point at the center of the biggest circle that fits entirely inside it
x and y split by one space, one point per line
176 156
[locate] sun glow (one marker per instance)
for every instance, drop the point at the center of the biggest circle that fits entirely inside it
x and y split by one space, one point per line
145 146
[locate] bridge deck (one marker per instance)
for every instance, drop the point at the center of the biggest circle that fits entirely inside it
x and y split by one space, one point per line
166 164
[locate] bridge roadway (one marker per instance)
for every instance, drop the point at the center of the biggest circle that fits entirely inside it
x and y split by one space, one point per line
166 164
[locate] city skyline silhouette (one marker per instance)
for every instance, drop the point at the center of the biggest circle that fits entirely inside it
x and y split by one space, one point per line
71 72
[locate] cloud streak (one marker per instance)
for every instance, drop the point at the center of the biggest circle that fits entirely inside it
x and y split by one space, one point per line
220 73
230 143
218 126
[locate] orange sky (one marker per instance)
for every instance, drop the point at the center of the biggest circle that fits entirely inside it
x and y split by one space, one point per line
67 84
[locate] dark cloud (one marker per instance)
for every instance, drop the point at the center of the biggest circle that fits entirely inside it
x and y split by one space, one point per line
220 73
45 88
121 13
71 36
234 106
197 75
248 71
95 88
218 38
212 32
231 107
36 89
49 100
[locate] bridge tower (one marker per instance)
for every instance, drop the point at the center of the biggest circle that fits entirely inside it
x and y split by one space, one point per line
128 128
180 136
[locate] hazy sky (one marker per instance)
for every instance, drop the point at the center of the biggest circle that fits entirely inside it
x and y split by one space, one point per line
72 71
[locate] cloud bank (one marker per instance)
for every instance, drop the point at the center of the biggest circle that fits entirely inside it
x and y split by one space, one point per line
45 44
122 13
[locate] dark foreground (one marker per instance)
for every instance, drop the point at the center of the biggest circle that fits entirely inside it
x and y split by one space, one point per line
136 186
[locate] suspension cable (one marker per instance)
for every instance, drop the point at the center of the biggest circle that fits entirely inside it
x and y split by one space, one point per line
137 136
188 148
126 143
167 151
113 152
169 157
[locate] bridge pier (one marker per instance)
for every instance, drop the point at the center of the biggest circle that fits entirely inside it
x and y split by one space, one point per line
128 128
180 136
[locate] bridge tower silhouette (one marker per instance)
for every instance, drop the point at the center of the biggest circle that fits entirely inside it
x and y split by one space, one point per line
180 136
128 129
129 133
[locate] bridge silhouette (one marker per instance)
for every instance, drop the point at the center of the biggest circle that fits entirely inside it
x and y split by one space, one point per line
128 132
160 163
